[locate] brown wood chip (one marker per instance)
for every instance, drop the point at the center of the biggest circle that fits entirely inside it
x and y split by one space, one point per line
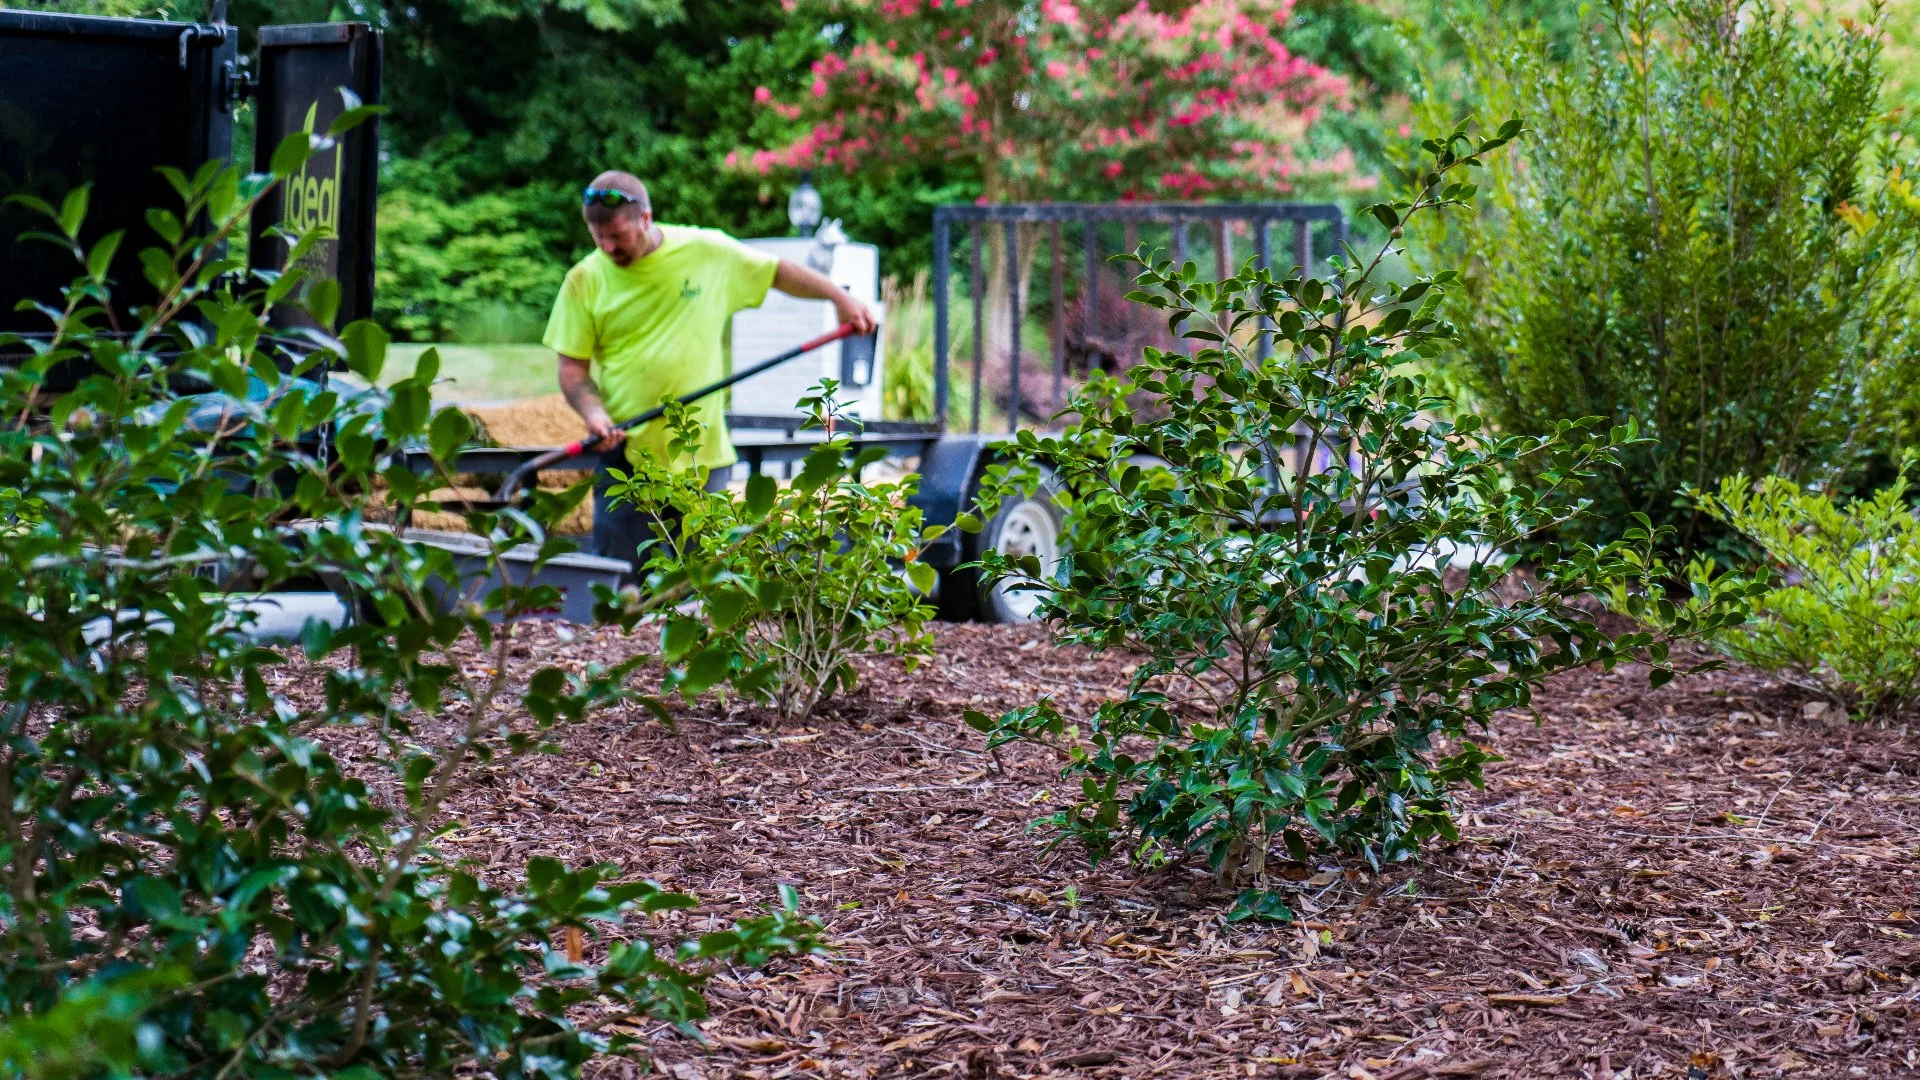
952 946
1527 999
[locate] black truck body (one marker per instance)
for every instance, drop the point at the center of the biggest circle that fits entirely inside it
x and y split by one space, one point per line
110 102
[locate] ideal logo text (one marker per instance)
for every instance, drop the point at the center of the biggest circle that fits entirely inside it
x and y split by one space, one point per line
311 199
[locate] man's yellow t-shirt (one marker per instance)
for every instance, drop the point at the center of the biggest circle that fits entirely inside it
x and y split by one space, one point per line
653 329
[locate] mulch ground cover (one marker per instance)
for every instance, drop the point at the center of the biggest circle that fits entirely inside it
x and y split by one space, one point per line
1697 881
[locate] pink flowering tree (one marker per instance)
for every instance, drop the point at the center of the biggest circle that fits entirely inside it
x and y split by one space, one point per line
1058 99
1104 99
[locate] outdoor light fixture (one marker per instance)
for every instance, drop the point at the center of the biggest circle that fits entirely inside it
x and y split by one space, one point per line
803 206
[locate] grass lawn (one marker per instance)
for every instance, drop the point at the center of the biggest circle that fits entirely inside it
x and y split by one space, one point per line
471 374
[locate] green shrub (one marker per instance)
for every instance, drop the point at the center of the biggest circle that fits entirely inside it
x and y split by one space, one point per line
1318 646
500 324
482 269
1843 616
908 392
908 333
190 882
1712 236
805 575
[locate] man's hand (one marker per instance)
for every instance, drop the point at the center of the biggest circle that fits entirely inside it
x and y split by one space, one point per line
850 310
810 284
576 382
600 427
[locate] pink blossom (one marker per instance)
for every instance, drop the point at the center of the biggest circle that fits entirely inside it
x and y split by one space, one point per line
1189 98
762 95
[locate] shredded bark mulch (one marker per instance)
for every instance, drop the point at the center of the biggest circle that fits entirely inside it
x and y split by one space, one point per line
1701 881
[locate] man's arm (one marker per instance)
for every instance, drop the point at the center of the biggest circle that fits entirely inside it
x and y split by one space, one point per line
809 284
576 383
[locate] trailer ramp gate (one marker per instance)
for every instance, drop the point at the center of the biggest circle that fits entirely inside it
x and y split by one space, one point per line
1084 296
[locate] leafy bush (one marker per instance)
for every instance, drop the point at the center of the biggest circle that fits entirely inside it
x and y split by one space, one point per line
190 882
480 268
908 393
1318 644
908 337
803 577
1843 615
1715 235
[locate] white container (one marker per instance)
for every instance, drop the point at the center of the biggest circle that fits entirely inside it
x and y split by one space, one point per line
784 321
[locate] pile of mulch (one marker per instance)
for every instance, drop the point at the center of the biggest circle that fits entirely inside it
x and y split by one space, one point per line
543 422
1700 881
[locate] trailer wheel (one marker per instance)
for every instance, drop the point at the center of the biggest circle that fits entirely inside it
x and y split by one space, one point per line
1030 526
1023 526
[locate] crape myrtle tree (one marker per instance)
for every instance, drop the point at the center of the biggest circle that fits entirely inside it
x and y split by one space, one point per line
1097 100
191 882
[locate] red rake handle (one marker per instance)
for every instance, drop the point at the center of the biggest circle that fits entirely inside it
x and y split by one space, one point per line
575 449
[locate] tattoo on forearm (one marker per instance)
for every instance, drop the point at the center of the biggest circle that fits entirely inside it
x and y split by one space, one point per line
580 391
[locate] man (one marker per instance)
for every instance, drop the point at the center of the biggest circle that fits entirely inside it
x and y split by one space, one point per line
641 318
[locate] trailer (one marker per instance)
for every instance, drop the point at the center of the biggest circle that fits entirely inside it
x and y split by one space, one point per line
107 100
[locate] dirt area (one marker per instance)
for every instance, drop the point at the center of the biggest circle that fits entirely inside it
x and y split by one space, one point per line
543 421
1695 882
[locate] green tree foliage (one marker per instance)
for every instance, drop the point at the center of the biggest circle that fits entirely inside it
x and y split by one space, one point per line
1319 642
503 112
191 883
503 108
804 577
1843 615
1712 236
449 254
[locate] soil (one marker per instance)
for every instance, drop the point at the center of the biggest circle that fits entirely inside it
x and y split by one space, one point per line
546 422
1700 881
543 421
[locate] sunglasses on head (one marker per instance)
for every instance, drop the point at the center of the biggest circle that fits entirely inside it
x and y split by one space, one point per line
605 197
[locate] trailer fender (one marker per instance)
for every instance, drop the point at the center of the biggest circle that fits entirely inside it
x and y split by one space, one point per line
948 474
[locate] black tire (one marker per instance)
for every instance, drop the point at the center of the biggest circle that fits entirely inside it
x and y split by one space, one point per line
958 596
1028 525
